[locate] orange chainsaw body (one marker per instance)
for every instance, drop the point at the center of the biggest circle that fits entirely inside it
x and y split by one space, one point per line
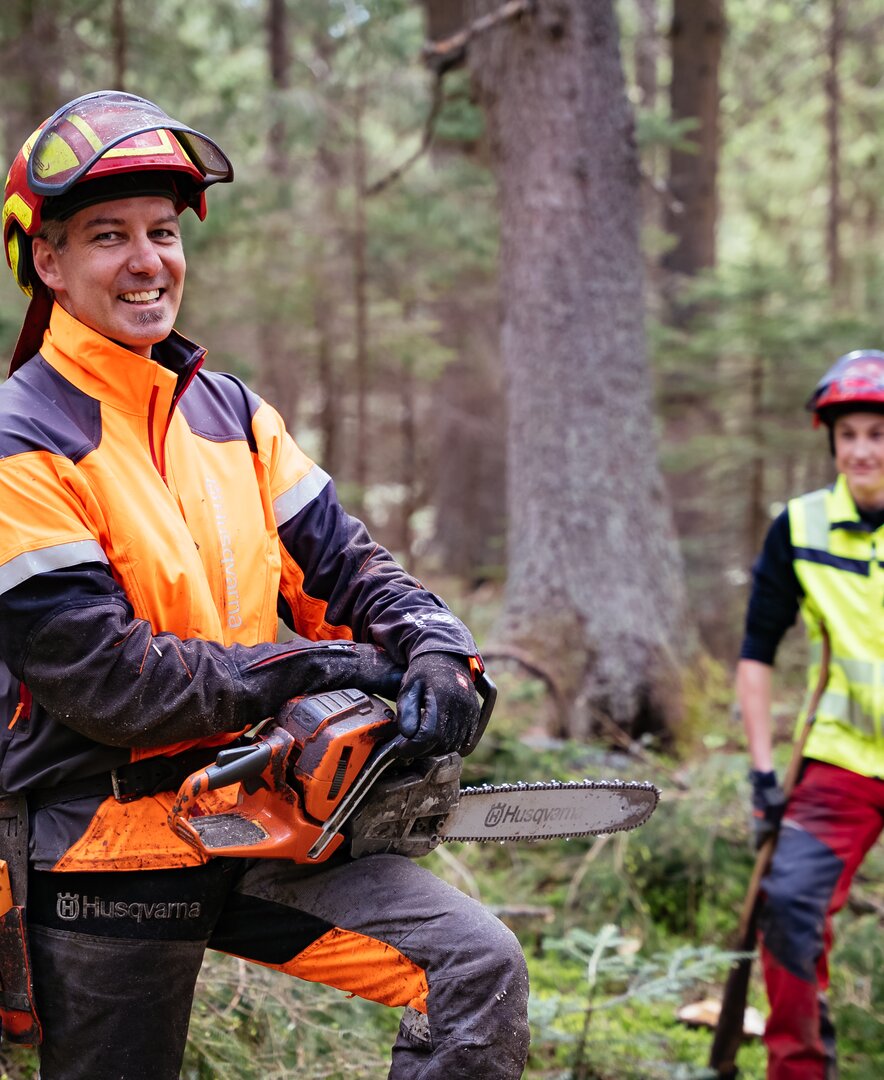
291 780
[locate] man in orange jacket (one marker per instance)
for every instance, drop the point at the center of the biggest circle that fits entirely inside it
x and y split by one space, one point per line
158 519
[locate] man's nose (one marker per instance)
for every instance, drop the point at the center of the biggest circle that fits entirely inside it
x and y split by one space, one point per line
144 257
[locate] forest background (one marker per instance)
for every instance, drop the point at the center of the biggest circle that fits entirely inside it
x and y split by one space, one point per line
544 284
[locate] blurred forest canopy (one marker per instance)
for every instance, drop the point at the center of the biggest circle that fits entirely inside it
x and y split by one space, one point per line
350 274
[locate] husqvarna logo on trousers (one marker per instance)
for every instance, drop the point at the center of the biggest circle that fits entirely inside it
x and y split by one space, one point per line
71 906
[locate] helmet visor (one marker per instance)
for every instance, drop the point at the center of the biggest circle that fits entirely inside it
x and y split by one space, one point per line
97 125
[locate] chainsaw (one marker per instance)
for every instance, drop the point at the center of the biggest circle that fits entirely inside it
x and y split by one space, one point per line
329 773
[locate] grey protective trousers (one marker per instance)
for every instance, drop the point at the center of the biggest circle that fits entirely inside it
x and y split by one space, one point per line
116 956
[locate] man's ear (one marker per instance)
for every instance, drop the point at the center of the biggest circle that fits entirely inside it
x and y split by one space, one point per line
46 263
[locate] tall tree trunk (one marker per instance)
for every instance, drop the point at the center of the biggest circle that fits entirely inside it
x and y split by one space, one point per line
757 518
360 303
31 68
277 359
408 462
833 131
692 213
120 44
326 221
646 56
279 60
594 589
646 53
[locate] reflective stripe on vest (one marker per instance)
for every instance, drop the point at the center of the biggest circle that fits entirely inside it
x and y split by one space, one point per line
837 560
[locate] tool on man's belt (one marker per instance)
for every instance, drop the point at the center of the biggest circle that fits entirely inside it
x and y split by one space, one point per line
330 772
17 1012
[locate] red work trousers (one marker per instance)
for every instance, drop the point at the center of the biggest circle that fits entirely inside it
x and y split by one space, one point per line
832 820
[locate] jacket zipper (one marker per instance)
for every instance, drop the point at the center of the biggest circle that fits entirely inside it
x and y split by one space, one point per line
158 453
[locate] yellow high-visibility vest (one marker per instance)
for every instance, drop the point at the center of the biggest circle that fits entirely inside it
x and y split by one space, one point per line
839 562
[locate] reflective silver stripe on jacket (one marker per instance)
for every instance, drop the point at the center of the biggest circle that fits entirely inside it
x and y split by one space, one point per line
845 707
816 520
298 496
837 706
31 563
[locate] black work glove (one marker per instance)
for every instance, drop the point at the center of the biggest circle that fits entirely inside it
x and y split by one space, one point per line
438 705
768 805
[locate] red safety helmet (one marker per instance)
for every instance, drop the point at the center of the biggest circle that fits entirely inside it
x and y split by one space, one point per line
855 381
101 146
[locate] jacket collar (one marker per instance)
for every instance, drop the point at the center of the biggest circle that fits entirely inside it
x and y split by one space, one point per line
843 512
112 373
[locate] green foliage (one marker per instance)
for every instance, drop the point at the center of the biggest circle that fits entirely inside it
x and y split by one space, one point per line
658 129
616 974
252 1023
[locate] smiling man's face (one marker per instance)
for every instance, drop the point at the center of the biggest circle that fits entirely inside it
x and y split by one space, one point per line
121 271
859 456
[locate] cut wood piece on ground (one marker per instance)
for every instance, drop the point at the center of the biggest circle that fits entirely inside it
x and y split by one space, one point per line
705 1014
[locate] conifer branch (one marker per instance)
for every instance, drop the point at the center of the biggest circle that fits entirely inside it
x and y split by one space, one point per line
425 144
450 50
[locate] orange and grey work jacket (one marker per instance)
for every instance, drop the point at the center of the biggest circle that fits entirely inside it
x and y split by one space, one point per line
156 520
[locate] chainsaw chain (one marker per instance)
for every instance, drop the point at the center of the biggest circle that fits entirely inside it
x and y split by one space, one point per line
553 785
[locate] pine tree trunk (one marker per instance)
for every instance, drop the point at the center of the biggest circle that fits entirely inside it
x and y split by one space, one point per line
278 379
31 67
833 132
696 36
360 304
594 589
120 41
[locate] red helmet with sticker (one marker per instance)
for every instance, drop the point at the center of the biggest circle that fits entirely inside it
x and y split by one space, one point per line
855 380
101 146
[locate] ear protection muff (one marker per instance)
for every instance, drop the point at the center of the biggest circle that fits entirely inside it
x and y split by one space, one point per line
21 259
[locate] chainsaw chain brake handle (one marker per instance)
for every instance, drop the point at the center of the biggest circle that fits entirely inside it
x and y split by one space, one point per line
487 691
380 759
300 782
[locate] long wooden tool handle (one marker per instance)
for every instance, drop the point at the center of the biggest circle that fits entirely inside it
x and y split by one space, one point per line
729 1029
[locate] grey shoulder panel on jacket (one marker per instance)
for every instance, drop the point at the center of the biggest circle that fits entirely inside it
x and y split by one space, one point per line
41 410
220 407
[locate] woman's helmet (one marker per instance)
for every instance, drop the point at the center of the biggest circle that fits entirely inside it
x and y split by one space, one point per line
854 383
104 145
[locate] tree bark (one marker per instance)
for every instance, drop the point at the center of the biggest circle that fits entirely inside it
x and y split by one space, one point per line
833 132
360 302
645 58
594 587
692 213
120 44
277 357
32 62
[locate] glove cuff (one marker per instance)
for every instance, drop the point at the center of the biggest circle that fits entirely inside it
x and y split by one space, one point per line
760 779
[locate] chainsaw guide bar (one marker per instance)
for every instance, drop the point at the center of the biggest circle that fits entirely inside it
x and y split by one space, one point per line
549 810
